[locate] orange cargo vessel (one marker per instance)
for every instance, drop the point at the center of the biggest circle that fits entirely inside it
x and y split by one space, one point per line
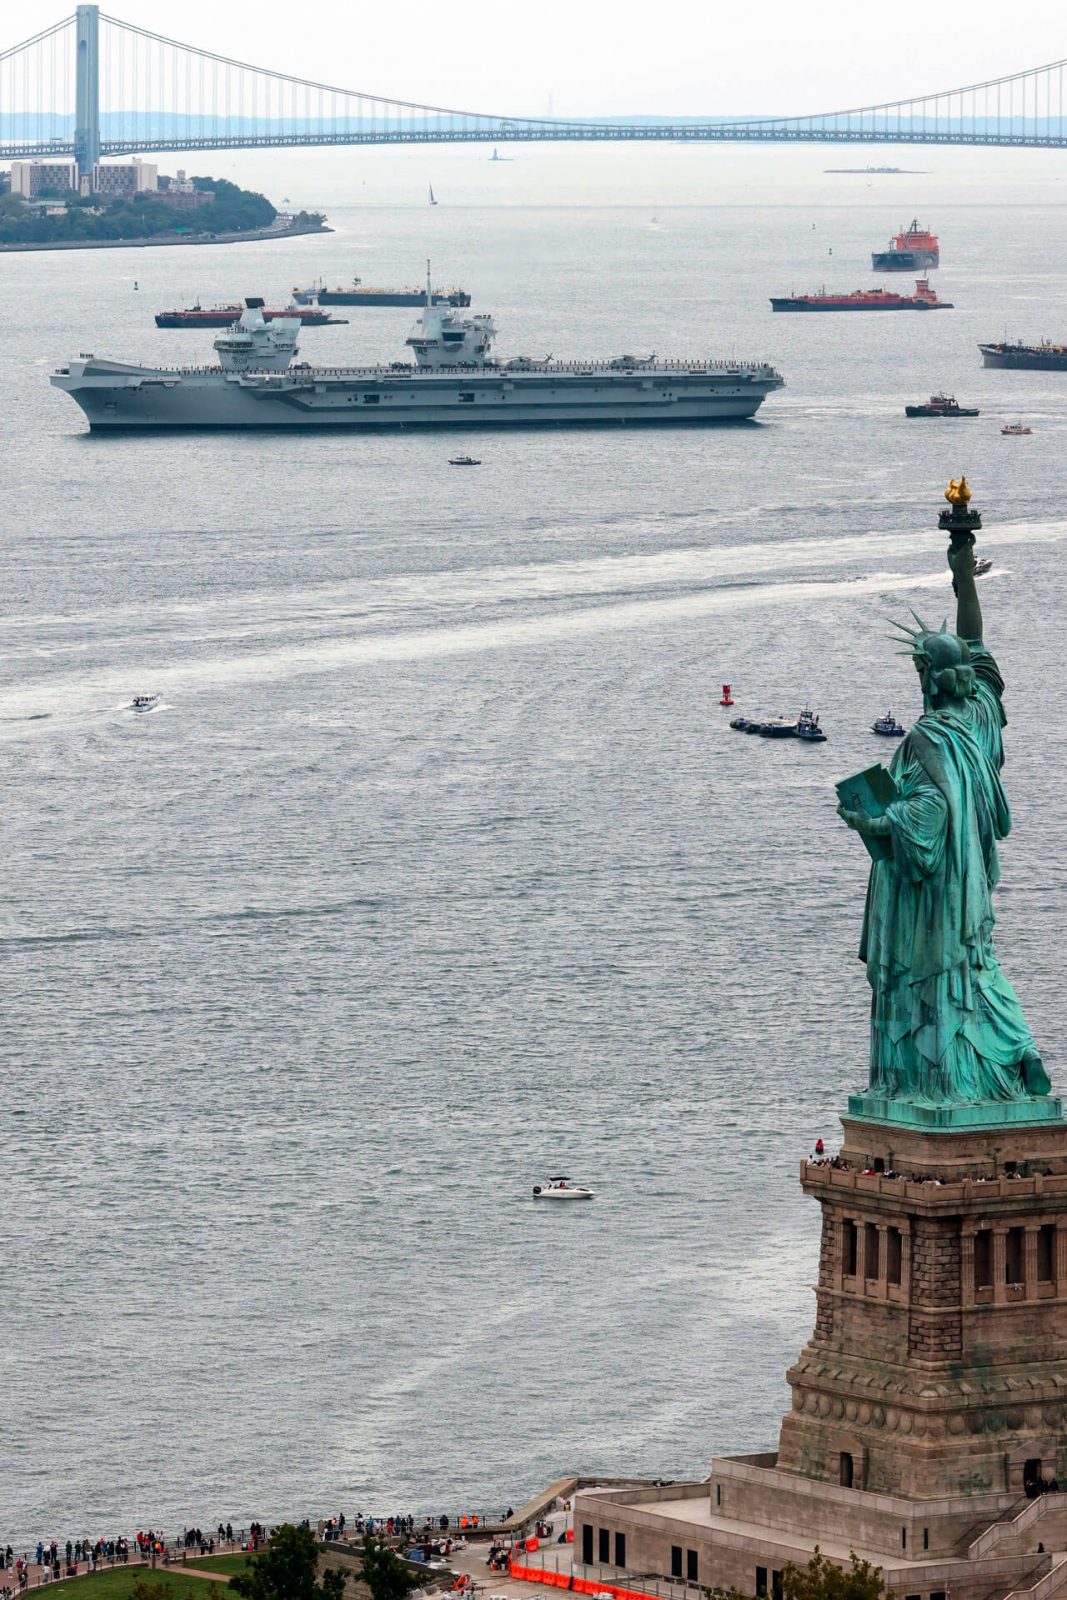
913 249
924 299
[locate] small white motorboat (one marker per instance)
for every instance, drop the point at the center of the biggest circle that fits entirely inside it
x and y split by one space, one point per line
561 1189
144 702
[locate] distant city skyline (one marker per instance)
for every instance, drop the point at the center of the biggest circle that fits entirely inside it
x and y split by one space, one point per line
599 60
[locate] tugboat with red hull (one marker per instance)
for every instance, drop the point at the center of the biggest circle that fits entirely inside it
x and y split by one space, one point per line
940 405
924 299
913 249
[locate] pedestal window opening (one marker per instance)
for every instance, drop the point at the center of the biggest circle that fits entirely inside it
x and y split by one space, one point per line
1046 1253
894 1242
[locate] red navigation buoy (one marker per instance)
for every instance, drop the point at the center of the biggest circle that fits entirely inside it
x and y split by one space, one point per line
727 697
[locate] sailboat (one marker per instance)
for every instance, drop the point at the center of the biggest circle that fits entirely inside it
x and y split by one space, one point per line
433 202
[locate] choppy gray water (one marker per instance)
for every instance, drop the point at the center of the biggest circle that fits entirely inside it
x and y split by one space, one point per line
439 867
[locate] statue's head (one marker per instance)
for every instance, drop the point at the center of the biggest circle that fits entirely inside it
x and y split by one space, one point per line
943 662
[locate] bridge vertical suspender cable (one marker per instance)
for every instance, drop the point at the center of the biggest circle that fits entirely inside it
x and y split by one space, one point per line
93 85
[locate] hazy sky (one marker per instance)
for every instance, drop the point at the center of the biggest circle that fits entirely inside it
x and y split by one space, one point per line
613 56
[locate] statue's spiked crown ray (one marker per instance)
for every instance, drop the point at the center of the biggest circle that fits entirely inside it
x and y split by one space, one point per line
917 652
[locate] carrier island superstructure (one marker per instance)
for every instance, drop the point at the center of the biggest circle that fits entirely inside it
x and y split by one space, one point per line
453 381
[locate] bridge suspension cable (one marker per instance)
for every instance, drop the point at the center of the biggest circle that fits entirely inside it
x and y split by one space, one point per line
37 91
1025 106
94 85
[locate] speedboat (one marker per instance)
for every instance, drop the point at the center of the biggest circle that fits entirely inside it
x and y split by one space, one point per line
889 726
982 567
561 1189
1016 430
463 461
144 702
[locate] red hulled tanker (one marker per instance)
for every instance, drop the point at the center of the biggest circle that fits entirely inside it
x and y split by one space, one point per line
924 299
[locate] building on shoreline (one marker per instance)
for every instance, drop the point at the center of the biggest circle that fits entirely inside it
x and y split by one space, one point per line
34 178
123 178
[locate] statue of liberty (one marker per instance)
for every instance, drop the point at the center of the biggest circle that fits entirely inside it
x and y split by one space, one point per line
947 1029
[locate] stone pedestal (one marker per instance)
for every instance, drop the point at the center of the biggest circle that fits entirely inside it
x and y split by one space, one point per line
934 1386
938 1365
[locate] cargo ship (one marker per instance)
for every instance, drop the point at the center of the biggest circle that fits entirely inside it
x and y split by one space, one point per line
913 249
924 299
354 294
453 381
199 316
1043 357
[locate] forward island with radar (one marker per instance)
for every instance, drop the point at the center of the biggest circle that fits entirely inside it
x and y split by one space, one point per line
453 381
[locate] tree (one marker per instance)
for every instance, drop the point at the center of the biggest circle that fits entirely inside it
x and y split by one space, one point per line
386 1576
286 1570
822 1580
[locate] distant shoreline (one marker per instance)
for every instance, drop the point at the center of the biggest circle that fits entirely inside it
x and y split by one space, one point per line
164 241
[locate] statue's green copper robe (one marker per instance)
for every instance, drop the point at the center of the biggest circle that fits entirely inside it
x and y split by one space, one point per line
946 1025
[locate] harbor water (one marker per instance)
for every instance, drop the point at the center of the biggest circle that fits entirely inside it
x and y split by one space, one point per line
438 869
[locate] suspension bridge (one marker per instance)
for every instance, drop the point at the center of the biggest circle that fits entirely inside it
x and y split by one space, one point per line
93 86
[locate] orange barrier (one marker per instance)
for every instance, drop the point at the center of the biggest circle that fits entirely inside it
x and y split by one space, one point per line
565 1580
532 1545
549 1580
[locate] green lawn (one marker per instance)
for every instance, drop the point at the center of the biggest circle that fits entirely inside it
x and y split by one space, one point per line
116 1585
228 1564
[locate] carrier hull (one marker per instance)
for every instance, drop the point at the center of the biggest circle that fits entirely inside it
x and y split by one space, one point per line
120 398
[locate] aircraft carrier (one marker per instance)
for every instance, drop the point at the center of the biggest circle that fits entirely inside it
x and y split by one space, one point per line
453 381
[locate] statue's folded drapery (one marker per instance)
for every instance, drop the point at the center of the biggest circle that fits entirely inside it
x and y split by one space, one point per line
946 1026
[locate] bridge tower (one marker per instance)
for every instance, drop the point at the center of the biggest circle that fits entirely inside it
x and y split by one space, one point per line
87 101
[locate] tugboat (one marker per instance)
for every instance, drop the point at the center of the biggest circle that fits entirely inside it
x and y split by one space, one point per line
940 405
913 249
1016 430
924 299
889 726
727 697
808 727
